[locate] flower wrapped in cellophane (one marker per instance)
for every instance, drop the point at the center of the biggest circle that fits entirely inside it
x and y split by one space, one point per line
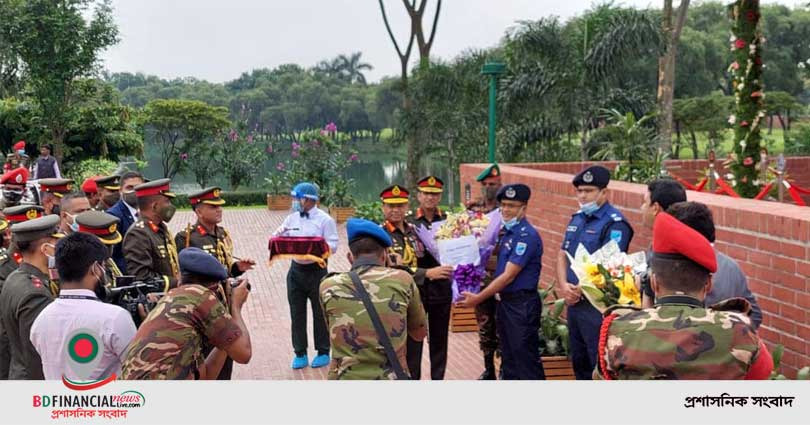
607 276
465 241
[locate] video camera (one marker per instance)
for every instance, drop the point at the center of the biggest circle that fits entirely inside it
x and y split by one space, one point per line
129 294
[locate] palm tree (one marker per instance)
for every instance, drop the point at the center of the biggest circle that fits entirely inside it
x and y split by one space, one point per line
562 76
352 68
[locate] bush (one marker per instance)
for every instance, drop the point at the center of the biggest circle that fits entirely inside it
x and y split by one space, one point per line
370 211
232 199
798 143
91 167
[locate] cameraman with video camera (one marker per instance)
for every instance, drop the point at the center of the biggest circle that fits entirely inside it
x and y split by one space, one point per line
169 344
78 316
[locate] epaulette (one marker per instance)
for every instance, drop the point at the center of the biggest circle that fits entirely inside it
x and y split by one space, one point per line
154 227
737 305
621 310
616 217
201 230
139 224
37 282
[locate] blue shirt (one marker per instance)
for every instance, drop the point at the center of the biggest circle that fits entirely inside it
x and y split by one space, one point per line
595 230
522 246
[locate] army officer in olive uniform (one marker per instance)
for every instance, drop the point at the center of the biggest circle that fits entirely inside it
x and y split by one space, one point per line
105 227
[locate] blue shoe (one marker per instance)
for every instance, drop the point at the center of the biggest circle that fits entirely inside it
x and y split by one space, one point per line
320 361
300 362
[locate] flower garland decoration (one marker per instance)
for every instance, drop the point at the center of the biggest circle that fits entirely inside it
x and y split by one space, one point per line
746 71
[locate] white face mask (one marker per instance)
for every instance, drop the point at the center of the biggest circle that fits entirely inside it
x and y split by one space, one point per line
51 258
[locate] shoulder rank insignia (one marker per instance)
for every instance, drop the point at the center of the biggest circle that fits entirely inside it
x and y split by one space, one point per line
154 227
36 282
201 230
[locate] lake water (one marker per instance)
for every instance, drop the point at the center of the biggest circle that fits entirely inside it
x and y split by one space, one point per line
371 174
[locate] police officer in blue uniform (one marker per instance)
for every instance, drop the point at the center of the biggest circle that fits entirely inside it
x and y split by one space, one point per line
595 224
517 317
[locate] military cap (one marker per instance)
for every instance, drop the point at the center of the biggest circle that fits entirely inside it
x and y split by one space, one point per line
210 196
108 182
195 261
593 176
674 239
58 187
15 176
3 224
155 187
358 228
430 184
22 213
492 171
38 228
514 192
305 190
101 224
394 195
19 145
89 185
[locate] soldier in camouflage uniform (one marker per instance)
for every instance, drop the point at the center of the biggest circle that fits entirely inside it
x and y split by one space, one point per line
490 180
169 343
356 350
148 246
680 338
207 235
26 292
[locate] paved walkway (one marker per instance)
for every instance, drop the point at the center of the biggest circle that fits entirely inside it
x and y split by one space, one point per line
268 315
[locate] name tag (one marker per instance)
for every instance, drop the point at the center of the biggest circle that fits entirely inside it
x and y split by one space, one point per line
571 229
592 232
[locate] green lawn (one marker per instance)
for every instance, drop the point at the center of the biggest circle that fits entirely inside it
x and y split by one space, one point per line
774 142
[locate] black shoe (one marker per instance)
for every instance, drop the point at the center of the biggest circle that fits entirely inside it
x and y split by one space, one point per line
488 375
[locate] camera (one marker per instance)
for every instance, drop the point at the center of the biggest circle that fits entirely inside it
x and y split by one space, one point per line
129 293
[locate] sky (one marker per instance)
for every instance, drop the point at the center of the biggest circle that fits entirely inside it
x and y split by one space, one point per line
217 40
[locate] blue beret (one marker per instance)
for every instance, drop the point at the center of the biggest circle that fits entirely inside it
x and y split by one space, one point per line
515 192
305 190
593 176
361 228
198 262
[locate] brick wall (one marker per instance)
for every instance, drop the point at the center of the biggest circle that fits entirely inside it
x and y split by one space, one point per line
690 170
769 240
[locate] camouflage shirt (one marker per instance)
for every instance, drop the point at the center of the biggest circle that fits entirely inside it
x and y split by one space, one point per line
169 343
678 339
356 351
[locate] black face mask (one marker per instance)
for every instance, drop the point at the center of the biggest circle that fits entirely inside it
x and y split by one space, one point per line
131 199
56 210
111 198
101 290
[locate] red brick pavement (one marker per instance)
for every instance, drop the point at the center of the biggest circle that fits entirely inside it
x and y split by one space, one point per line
268 315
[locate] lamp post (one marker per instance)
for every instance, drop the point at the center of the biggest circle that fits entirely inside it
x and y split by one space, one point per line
492 69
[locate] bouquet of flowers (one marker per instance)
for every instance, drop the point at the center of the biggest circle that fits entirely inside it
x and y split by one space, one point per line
607 275
465 241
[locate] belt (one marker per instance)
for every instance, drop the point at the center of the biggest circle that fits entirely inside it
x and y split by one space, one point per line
310 266
520 294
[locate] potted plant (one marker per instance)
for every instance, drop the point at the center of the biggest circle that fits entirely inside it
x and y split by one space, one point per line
554 337
278 194
339 199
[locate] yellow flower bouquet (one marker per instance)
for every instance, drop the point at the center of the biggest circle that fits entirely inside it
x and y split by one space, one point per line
607 275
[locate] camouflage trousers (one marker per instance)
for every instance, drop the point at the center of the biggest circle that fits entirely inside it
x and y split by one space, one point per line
485 316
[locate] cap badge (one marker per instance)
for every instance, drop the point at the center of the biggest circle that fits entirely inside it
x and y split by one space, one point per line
216 193
31 214
494 172
510 193
112 228
395 191
18 179
587 177
432 181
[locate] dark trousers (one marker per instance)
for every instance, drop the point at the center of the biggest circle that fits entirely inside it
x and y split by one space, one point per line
487 334
584 323
438 316
518 322
303 283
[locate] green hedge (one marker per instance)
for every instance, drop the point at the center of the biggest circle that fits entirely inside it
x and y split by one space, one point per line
233 199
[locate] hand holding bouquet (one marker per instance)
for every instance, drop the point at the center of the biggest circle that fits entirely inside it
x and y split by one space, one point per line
607 276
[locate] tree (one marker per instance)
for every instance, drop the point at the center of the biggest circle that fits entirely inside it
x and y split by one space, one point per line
181 126
353 68
57 44
417 33
671 27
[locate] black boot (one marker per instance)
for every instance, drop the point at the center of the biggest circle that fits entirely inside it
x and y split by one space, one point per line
489 368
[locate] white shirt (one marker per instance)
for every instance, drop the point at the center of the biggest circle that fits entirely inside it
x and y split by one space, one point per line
318 223
133 212
111 325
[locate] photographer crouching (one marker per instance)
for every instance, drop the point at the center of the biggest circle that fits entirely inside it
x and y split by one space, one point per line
169 343
77 335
